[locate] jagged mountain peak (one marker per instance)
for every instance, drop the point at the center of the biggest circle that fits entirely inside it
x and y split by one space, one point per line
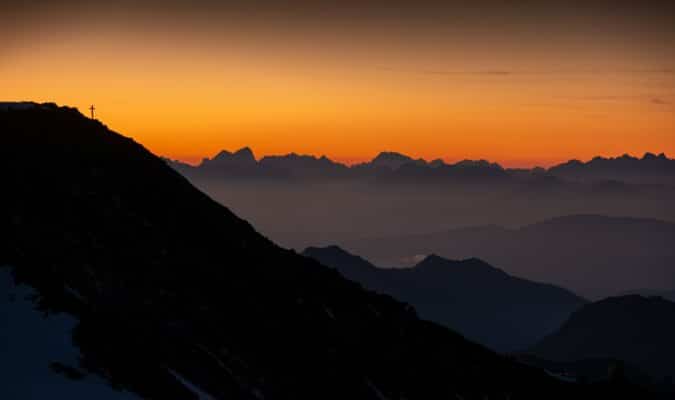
243 155
245 152
652 156
394 160
470 265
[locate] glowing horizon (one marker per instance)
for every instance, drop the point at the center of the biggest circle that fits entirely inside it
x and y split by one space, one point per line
502 84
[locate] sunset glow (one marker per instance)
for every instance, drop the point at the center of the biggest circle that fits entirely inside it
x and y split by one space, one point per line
574 86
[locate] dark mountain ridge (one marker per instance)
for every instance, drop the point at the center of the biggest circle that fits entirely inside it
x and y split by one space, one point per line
174 295
666 294
633 328
480 301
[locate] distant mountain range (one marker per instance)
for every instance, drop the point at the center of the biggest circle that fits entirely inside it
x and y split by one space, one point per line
596 256
395 167
666 294
387 166
638 330
650 168
302 201
482 302
172 296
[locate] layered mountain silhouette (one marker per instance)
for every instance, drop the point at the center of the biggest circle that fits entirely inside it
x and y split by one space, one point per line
482 302
174 296
301 201
596 256
385 167
396 167
635 329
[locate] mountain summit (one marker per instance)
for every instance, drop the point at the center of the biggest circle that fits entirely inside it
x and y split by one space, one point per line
243 156
393 160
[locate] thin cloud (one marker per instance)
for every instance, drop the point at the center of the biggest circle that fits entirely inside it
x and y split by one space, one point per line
492 72
603 98
611 98
665 71
482 72
506 72
495 72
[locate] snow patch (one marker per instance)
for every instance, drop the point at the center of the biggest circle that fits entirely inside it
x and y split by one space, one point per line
30 341
194 388
75 294
375 390
19 105
329 312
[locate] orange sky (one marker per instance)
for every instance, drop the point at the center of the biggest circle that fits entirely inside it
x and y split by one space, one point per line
187 86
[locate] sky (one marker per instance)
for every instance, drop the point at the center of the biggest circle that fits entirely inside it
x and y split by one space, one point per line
522 83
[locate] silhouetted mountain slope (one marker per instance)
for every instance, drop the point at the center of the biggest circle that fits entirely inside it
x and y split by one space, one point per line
174 294
636 329
482 302
592 255
650 168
